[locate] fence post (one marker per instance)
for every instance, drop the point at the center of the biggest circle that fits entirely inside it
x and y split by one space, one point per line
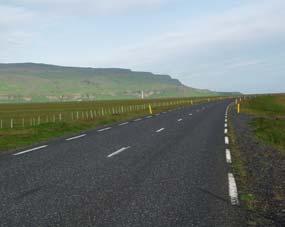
238 108
12 123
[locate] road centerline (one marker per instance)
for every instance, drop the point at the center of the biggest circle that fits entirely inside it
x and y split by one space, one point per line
104 129
32 149
118 151
160 130
75 137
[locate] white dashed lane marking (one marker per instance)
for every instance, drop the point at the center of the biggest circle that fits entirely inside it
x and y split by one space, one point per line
76 137
125 123
33 149
226 140
233 193
118 151
160 130
228 156
104 129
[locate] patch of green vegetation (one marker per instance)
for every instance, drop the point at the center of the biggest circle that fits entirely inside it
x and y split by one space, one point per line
271 131
269 124
249 199
265 106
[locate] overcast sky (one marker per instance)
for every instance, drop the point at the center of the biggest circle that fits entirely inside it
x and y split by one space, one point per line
223 45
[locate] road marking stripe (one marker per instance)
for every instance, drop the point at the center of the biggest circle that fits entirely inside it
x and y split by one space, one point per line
33 149
159 130
76 137
226 131
139 119
123 123
190 114
233 193
226 140
118 151
180 119
157 114
226 120
228 156
226 125
148 117
104 129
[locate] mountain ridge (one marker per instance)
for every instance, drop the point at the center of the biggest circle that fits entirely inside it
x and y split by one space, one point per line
43 82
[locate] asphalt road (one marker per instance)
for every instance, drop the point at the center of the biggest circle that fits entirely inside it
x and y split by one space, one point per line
165 170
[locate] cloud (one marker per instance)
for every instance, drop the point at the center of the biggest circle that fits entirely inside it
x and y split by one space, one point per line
250 23
92 7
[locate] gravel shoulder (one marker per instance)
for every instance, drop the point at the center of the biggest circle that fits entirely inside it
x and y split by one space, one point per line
260 173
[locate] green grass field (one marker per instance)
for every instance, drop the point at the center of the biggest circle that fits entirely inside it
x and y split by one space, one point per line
269 124
22 125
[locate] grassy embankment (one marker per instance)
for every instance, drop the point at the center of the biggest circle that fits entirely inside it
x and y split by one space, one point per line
22 125
269 124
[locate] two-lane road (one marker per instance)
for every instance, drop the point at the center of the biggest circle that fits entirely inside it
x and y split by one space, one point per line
168 169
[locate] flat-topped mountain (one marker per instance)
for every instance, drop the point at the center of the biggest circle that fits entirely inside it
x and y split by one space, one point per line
42 82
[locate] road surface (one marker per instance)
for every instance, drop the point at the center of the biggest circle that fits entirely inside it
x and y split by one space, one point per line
164 170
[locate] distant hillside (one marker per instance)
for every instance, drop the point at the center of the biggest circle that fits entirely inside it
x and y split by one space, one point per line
41 82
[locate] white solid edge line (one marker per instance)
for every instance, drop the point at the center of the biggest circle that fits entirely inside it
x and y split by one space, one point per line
125 123
228 156
76 137
118 151
33 149
233 193
104 129
226 140
180 119
226 131
159 130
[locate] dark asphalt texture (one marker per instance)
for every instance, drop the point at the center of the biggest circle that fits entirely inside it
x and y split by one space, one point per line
177 177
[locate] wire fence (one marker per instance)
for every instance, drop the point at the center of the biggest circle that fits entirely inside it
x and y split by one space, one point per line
24 119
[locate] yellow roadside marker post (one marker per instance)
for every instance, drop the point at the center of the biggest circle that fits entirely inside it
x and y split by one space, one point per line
150 109
238 108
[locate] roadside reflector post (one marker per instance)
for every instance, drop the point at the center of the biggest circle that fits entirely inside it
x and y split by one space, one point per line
238 108
150 109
